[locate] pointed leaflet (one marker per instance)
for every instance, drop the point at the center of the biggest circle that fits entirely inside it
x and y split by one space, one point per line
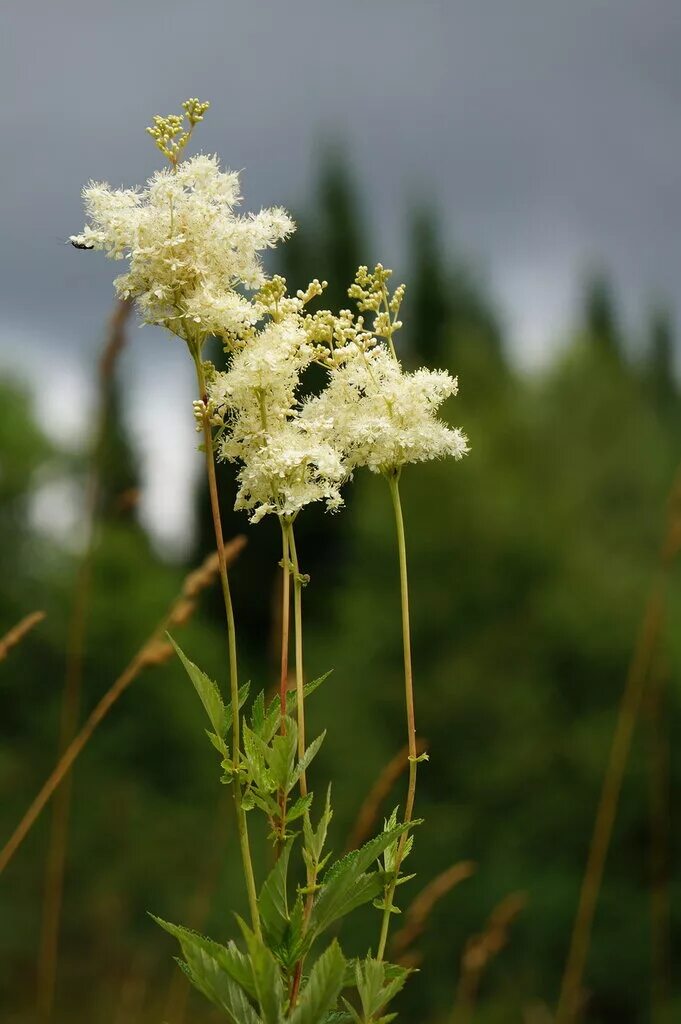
221 973
323 988
273 716
282 753
266 977
208 692
307 757
273 900
375 987
217 986
229 958
345 886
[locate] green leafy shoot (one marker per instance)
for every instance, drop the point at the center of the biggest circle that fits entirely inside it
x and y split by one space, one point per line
377 984
347 884
389 864
219 714
320 995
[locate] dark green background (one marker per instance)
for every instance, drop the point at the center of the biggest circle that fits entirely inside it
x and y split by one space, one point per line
530 562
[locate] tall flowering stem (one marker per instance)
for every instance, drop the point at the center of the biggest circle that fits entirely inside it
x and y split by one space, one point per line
285 630
298 630
394 483
242 826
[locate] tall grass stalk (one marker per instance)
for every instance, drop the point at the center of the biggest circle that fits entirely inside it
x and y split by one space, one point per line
71 699
16 634
155 651
660 832
627 715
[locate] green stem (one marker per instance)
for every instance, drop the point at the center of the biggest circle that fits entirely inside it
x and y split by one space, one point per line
298 628
285 629
393 482
242 826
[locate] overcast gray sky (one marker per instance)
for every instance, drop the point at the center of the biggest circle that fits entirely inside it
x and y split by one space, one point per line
547 131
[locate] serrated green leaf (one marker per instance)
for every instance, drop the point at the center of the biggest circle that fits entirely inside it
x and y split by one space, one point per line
207 690
306 759
292 948
345 885
315 839
377 987
219 744
282 754
221 973
337 1017
273 899
255 754
266 977
321 992
272 719
299 808
258 713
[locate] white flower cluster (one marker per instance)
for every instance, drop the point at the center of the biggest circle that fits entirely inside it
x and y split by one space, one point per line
381 416
187 249
284 462
192 259
372 413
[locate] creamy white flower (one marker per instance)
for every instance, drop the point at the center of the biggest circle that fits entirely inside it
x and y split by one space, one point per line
287 469
382 416
285 463
186 247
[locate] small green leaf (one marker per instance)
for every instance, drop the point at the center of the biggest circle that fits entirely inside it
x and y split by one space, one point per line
273 899
269 987
258 713
299 808
207 690
282 755
255 755
346 886
321 992
305 760
222 973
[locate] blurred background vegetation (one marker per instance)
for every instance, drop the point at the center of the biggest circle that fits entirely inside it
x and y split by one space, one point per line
531 564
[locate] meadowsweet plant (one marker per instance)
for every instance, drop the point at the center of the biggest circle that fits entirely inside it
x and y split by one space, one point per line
194 267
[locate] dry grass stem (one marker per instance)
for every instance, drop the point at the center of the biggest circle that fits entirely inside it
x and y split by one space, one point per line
481 949
148 655
200 908
17 633
660 834
370 809
571 996
417 914
73 678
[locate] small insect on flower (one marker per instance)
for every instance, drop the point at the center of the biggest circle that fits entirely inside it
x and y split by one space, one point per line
78 243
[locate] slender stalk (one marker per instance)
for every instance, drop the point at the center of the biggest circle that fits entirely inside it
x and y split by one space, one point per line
394 484
17 633
368 812
300 711
285 630
242 826
55 867
571 987
285 623
298 628
660 822
154 651
627 716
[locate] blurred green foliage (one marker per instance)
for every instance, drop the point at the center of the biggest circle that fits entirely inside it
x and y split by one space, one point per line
530 566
